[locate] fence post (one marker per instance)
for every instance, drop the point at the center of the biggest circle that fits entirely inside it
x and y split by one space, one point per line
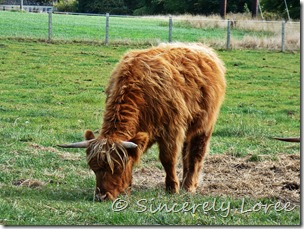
21 5
107 29
228 34
50 26
170 28
283 36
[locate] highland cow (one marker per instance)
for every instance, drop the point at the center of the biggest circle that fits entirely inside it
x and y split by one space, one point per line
170 95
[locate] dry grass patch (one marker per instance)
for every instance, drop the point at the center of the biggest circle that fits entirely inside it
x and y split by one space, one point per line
272 30
64 155
251 176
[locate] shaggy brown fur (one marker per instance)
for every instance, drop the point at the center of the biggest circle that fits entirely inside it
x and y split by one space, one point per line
170 95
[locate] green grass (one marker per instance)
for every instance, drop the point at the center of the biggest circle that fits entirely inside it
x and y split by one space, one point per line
52 93
121 29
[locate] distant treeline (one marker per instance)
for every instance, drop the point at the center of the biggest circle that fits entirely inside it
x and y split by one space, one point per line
155 7
274 8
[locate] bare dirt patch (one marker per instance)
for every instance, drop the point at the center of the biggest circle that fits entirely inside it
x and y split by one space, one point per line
223 175
226 175
31 183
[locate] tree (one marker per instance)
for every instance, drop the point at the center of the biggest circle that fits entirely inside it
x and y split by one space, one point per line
278 7
149 7
103 6
202 7
175 7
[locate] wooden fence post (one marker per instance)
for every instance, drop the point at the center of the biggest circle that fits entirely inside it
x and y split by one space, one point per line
170 28
228 34
50 26
107 29
255 8
283 37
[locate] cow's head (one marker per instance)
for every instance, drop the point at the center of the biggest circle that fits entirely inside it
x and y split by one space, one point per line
112 162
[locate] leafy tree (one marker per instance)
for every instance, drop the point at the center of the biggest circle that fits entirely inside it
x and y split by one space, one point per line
207 7
149 7
278 7
103 6
67 5
175 7
203 7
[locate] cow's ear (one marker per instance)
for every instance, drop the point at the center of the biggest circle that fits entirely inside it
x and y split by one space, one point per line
88 135
141 139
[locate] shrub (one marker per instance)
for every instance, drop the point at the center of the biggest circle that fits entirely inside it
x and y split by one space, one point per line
67 6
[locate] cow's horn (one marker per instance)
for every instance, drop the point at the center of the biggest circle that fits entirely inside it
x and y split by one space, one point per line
288 139
83 144
128 145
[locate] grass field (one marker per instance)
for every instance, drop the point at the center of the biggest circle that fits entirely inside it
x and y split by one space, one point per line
149 30
52 93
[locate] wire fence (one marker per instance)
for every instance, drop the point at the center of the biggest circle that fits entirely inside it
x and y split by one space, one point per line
113 29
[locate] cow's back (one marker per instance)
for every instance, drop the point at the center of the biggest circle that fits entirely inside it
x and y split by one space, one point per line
172 85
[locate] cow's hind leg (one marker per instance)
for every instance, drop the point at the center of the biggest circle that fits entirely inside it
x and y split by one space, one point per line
193 160
185 157
168 156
